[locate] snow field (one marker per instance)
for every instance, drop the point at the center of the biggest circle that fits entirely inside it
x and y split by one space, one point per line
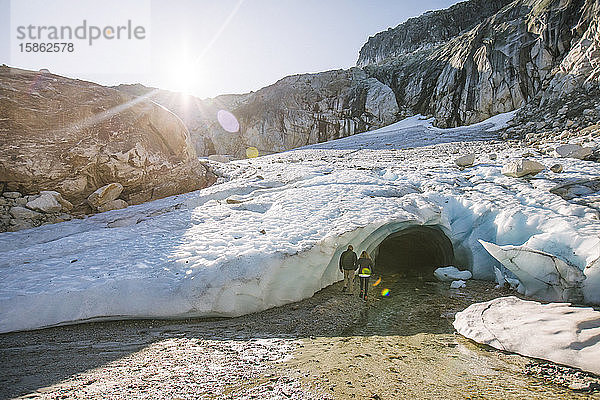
272 232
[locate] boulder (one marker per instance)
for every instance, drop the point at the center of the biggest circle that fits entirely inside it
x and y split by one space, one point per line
573 151
105 194
578 188
447 274
556 168
466 160
11 195
46 203
20 224
77 136
113 205
19 212
522 167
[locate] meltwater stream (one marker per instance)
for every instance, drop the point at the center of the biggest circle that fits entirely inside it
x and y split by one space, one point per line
404 347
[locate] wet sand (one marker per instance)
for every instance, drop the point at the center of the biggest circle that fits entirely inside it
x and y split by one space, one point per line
331 346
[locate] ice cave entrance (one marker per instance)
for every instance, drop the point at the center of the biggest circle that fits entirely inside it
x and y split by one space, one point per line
414 251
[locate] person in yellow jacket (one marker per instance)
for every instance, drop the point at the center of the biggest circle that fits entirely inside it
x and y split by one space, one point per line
365 269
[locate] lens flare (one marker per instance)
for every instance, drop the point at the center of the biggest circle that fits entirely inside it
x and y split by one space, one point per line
251 152
385 292
228 121
377 282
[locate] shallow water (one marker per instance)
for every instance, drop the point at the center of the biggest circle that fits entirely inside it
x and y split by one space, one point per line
404 347
331 346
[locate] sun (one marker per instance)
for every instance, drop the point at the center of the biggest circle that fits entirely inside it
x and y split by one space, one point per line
183 76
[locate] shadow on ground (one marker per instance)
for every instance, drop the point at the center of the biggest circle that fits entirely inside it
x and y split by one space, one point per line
36 359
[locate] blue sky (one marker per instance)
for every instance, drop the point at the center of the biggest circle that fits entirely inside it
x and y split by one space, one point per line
208 48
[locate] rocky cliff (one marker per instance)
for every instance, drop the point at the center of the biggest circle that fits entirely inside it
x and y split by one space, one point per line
73 137
497 66
427 31
295 111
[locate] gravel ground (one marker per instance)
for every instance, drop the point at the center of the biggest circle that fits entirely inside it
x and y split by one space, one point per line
331 346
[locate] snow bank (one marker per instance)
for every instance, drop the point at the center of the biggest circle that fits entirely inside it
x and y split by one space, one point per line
556 332
417 131
273 232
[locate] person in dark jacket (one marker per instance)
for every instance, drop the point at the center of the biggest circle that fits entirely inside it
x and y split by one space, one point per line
365 269
348 266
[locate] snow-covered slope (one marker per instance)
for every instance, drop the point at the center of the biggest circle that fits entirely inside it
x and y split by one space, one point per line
272 232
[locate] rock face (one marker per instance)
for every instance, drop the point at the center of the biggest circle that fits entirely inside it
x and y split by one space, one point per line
497 66
295 111
74 137
427 31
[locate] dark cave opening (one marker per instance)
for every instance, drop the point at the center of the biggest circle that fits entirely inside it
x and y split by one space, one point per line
415 251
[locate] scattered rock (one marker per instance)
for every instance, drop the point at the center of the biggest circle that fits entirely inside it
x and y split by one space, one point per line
466 160
105 194
573 151
66 205
113 205
20 224
493 156
11 195
556 168
45 203
522 167
21 213
583 187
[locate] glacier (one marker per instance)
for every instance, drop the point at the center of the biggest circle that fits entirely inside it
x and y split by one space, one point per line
272 229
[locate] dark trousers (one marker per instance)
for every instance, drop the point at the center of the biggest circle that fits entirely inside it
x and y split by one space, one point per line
364 285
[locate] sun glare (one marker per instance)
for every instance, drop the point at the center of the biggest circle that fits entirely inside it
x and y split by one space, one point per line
184 76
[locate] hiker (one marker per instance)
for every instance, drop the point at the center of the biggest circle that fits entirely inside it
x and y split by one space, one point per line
365 269
348 266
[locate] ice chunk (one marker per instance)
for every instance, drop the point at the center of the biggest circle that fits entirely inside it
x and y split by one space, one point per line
458 284
451 274
591 285
542 274
556 332
500 280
